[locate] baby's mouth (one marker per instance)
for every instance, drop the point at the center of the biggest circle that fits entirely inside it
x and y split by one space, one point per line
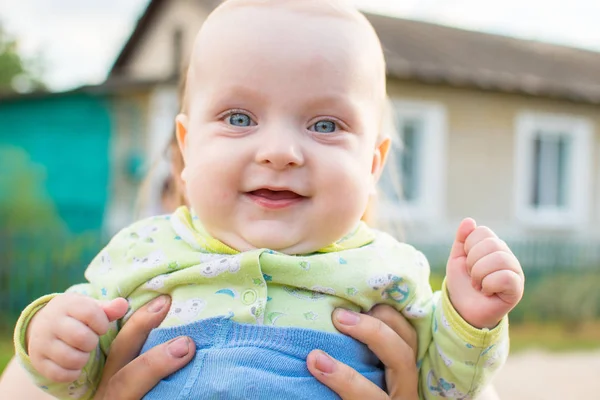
275 198
275 195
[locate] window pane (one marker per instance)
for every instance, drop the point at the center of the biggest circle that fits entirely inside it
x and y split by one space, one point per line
564 150
550 170
402 178
411 136
537 144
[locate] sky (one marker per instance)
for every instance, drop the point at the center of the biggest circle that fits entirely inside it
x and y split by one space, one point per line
78 40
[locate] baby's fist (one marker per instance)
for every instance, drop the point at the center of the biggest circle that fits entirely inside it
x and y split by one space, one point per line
484 278
61 336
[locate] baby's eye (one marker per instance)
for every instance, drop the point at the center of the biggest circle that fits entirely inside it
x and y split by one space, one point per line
324 126
239 119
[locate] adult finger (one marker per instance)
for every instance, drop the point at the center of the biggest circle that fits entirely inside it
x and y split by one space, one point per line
376 334
131 338
138 377
392 318
398 356
342 379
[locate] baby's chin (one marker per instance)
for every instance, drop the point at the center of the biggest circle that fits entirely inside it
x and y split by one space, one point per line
270 235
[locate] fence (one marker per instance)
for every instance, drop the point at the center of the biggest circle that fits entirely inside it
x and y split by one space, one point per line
33 265
562 278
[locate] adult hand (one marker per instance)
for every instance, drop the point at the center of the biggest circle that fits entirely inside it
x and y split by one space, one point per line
390 337
128 376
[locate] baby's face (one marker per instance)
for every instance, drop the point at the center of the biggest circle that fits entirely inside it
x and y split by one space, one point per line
280 137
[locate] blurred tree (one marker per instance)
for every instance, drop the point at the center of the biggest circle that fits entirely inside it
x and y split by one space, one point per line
17 74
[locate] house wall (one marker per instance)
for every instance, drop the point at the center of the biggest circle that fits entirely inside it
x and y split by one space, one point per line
128 156
480 158
478 166
63 140
154 57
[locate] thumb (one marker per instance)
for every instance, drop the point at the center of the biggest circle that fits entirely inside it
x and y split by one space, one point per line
465 228
115 309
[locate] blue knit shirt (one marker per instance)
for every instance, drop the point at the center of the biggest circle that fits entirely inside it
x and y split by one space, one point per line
242 361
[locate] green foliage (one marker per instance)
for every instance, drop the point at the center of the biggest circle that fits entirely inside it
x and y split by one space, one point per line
38 254
16 73
436 280
6 350
569 298
554 337
25 207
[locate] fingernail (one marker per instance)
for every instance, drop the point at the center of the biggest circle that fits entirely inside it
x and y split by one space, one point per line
179 347
324 363
157 304
347 317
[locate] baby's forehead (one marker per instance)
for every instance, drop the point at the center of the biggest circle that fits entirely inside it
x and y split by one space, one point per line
331 8
336 22
324 32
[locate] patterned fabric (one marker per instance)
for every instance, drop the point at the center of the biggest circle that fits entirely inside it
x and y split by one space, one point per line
207 279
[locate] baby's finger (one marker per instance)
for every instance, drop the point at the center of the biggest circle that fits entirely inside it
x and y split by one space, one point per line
480 233
493 262
90 312
56 373
342 379
483 248
67 357
466 227
76 334
507 285
115 309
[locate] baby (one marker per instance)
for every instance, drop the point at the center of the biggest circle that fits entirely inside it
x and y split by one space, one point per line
280 134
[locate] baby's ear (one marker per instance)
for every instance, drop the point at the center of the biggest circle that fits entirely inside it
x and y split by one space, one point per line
181 124
379 158
181 130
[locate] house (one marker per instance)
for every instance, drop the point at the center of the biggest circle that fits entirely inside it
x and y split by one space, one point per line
54 184
504 130
54 150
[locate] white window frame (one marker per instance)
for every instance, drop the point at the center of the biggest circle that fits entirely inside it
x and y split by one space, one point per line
430 204
528 124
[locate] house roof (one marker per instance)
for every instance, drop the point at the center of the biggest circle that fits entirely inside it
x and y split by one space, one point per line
437 54
142 25
117 84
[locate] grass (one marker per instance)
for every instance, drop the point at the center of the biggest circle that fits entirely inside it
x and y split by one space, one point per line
555 337
6 350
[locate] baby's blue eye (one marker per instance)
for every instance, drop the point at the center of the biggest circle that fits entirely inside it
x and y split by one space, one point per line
324 126
239 119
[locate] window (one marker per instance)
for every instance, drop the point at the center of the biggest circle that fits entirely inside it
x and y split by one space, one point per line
553 154
412 182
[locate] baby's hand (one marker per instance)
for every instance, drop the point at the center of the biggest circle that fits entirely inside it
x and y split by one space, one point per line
61 336
484 278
